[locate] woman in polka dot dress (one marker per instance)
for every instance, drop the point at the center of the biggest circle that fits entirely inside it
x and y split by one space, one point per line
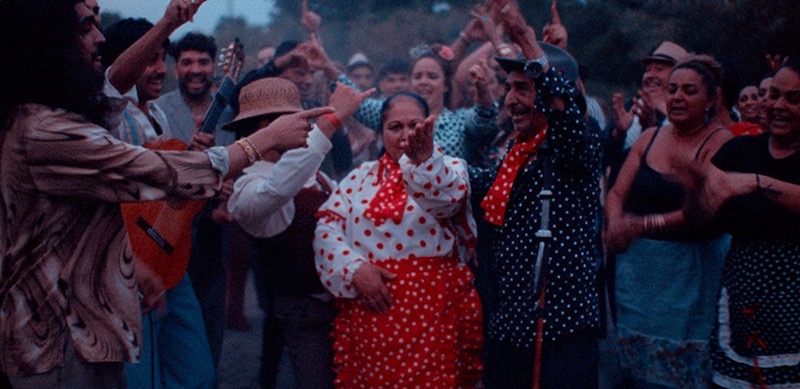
387 246
756 342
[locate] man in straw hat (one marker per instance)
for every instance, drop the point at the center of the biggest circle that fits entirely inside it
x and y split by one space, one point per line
274 201
542 202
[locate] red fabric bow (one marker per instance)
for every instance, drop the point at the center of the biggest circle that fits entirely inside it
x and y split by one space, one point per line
390 201
496 199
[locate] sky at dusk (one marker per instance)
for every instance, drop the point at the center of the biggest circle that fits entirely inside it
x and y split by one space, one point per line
254 11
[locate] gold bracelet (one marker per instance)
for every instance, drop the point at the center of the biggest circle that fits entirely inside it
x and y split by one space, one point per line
252 153
258 153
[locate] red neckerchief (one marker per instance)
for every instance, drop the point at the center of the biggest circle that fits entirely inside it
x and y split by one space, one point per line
496 199
390 201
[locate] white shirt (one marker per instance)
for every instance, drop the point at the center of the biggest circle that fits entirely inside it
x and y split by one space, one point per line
262 200
438 189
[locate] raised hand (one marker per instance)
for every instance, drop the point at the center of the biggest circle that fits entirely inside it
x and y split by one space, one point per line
645 109
555 33
774 61
623 119
481 27
288 131
514 22
318 58
479 74
474 31
517 29
417 143
346 100
298 54
181 11
315 53
369 281
310 20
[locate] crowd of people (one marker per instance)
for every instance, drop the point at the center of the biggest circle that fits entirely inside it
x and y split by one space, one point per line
464 217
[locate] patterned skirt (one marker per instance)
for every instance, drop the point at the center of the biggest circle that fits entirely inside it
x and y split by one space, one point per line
666 298
430 337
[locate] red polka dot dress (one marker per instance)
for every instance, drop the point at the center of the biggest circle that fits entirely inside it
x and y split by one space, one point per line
431 335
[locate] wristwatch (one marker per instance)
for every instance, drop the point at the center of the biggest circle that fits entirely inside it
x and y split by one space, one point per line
535 67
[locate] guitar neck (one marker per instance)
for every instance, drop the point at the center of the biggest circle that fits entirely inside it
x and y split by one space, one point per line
221 100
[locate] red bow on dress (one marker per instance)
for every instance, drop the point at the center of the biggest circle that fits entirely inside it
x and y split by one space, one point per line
496 199
390 201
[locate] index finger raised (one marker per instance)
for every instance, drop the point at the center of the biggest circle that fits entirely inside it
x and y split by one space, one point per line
554 12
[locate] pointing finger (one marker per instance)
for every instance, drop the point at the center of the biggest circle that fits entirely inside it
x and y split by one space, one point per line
314 112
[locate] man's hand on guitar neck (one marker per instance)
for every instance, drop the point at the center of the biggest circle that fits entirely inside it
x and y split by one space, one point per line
202 141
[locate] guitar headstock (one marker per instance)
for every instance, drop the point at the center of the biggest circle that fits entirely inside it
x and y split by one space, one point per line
231 60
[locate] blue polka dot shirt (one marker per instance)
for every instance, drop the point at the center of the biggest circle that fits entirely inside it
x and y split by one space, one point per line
571 262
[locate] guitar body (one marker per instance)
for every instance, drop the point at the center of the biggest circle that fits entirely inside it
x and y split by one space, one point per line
160 232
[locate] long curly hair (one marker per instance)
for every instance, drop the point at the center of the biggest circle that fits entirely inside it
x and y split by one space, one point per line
42 62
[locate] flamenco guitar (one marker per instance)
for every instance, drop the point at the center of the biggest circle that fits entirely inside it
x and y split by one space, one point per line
160 232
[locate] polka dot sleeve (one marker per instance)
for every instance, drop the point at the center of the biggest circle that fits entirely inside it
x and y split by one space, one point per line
440 185
480 122
335 259
578 146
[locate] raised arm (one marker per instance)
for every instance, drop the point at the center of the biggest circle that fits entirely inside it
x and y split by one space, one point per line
129 66
261 201
439 184
554 32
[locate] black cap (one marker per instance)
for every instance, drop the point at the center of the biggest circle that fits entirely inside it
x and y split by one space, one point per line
559 59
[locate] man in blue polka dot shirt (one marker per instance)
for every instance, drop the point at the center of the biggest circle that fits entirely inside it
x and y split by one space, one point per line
553 141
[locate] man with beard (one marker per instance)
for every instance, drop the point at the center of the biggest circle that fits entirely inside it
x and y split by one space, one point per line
69 289
175 350
542 199
185 108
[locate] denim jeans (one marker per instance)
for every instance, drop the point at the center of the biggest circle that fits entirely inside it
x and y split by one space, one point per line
175 352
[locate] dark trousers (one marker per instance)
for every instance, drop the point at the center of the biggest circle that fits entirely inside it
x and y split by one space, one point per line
306 324
208 272
569 363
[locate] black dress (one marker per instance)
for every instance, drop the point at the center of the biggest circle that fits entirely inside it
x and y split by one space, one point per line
757 336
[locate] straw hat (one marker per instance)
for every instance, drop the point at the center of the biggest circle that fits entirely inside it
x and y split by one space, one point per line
266 96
